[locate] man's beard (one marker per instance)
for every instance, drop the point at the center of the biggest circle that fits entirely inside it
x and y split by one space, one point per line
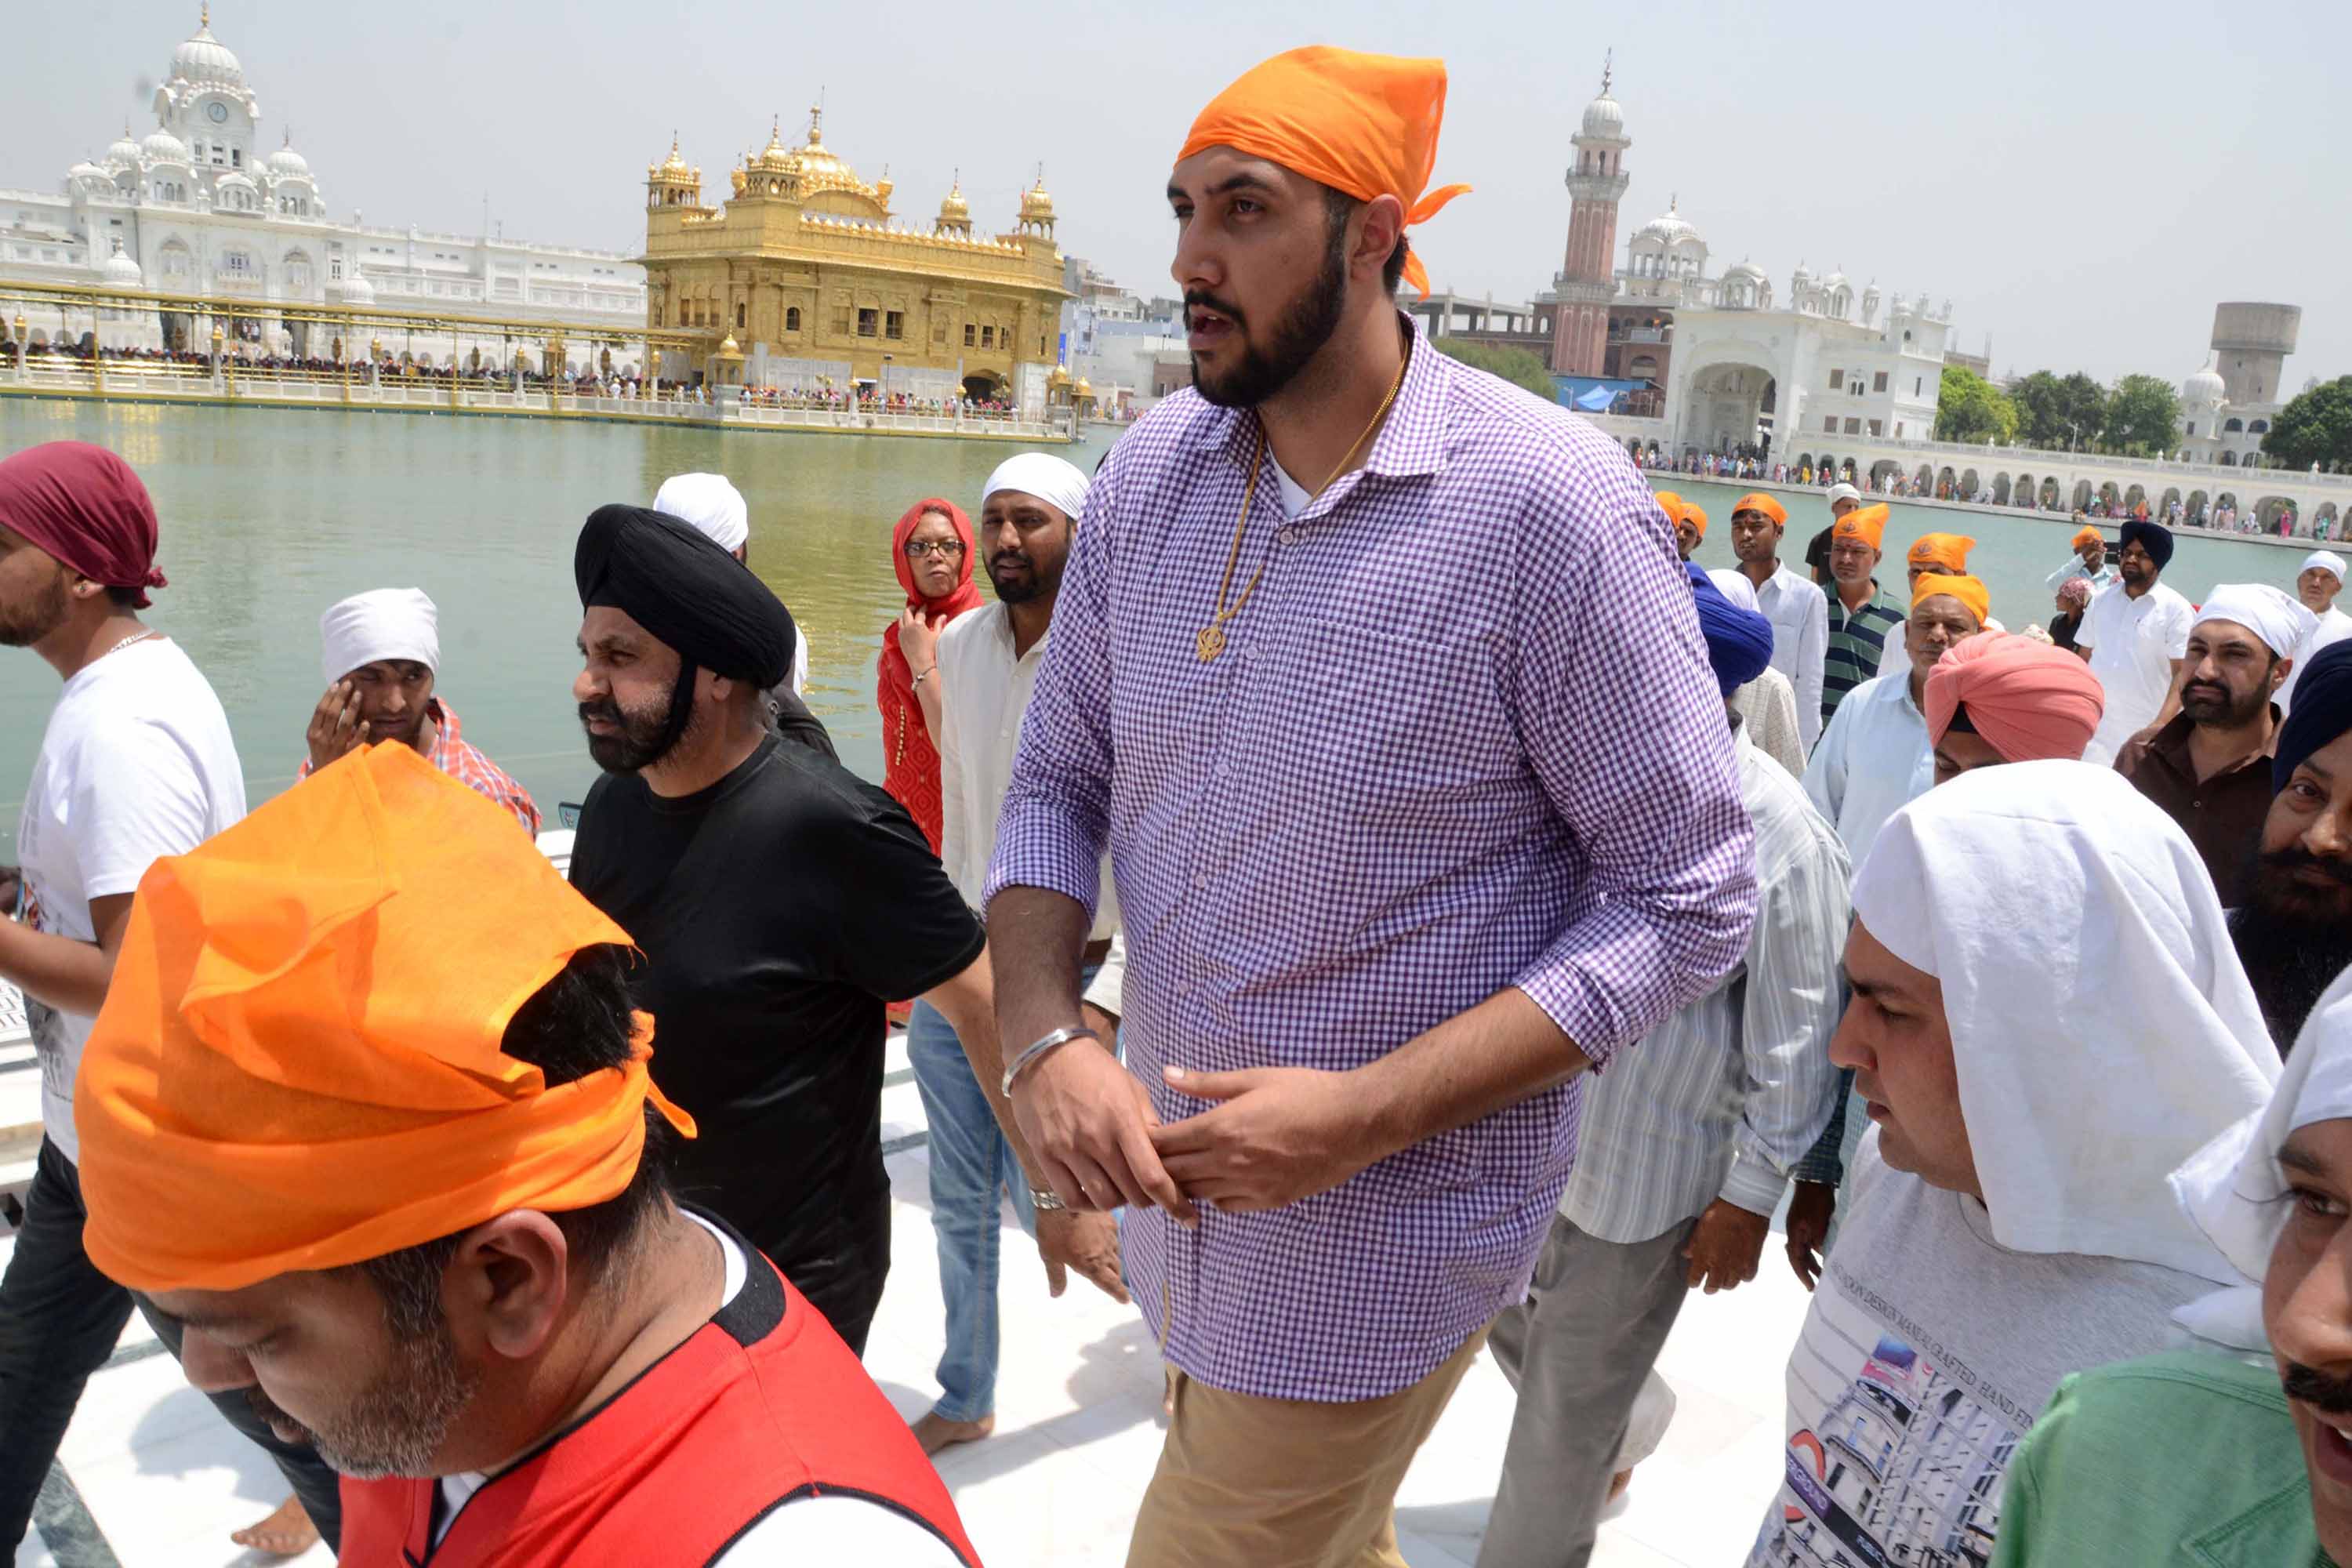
2292 941
22 626
1037 584
1305 325
643 739
2211 703
398 1424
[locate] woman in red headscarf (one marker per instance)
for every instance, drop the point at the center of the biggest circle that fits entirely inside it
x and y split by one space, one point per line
932 548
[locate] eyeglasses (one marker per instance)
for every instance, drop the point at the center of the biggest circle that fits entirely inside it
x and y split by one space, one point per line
918 548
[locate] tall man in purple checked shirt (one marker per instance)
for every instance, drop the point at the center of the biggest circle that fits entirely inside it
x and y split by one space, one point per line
1418 809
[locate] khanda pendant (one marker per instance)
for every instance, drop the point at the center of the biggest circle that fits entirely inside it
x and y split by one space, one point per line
1210 641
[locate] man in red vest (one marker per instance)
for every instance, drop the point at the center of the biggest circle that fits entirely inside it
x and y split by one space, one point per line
368 1110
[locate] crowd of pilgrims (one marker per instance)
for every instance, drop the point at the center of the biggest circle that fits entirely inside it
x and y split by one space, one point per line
1355 1006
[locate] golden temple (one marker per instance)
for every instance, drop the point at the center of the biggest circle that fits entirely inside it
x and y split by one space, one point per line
820 288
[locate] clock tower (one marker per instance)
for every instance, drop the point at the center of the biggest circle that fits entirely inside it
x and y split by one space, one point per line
205 103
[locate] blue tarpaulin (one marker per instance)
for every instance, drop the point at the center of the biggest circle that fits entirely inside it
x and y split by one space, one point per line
1594 394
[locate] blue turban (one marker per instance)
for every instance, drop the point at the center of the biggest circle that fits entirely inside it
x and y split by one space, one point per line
2321 711
2154 538
1739 642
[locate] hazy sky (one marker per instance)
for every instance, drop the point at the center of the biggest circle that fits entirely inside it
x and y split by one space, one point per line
2083 182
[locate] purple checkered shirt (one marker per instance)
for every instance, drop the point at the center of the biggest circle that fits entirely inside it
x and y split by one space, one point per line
1463 737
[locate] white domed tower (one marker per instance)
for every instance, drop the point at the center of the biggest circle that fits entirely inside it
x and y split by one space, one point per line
2203 395
1665 254
1745 287
1587 280
207 104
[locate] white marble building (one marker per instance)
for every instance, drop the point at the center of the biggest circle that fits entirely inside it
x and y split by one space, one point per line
2226 408
202 205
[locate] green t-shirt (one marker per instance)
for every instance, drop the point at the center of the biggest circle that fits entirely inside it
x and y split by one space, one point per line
2186 1458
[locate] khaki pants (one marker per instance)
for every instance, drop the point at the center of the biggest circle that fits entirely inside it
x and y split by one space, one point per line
1245 1482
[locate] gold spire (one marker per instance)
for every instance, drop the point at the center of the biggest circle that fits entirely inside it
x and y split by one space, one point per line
205 15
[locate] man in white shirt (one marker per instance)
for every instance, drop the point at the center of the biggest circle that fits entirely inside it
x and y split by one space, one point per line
2089 562
1683 1153
2317 584
988 663
2135 637
1875 755
136 763
1794 603
2010 1223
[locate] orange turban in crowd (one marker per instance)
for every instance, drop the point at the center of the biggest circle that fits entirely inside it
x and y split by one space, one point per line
1696 515
298 1065
1942 551
1867 524
1671 505
1969 590
2084 536
1757 500
1362 124
2031 700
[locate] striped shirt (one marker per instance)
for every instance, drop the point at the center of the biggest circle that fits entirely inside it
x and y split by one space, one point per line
1857 643
1725 1096
1462 739
464 761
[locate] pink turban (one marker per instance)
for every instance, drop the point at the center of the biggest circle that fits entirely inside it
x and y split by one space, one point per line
2029 700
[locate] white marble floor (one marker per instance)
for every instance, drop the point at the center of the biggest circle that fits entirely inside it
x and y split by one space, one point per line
1078 1429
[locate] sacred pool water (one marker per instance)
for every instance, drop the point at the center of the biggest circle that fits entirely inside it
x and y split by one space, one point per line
270 516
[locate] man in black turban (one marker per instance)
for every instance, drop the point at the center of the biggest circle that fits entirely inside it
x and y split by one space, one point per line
780 901
2294 932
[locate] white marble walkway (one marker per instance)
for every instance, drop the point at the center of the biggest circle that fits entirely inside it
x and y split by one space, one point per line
1078 1429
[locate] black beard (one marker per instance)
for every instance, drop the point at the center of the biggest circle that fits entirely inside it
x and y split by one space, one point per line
2224 709
643 739
1305 325
1038 584
22 626
2291 940
2329 1396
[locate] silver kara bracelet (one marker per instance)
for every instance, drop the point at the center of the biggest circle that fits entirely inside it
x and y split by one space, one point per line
1058 1037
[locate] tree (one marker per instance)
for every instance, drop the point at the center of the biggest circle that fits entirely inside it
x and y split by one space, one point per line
2056 412
1517 366
2314 427
2143 416
1971 409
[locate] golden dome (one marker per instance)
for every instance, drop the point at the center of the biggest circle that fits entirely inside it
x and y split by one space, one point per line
821 170
1035 205
1085 387
955 209
1061 376
730 349
674 167
776 158
736 177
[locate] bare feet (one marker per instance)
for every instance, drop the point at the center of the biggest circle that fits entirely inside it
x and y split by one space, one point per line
289 1532
935 1431
1618 1483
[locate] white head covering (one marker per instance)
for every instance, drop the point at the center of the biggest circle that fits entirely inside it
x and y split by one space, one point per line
2276 616
1843 493
2232 1187
2101 1026
382 623
1734 586
2328 560
713 506
1056 482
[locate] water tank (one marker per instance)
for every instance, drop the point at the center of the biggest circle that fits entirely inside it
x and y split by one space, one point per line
2250 328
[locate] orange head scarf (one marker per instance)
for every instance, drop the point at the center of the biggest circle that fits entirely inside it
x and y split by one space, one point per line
298 1063
1696 515
1969 590
1363 124
1671 505
910 758
1942 551
2031 701
2087 536
1867 524
1757 500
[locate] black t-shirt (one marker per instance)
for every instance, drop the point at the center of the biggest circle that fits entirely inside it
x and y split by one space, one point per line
778 910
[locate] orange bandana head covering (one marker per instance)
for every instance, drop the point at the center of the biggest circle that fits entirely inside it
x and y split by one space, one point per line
1671 505
2031 701
1696 515
1363 124
298 1065
1867 524
1943 552
1969 590
2087 536
1757 500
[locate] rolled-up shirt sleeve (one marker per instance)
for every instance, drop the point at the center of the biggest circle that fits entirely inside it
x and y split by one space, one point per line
1055 821
1789 1013
1623 722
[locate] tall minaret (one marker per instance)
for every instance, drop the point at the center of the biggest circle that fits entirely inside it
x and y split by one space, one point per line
1587 278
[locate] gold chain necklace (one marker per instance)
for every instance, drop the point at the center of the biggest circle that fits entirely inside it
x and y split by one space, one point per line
1210 640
